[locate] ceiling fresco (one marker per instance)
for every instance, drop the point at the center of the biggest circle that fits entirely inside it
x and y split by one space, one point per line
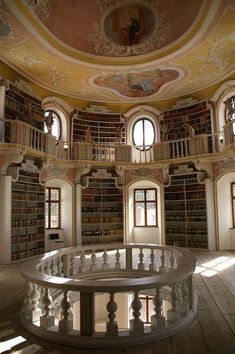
121 51
140 84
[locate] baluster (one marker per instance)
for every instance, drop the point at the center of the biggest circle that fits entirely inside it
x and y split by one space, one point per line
82 262
35 312
117 263
75 265
27 300
172 314
182 143
141 265
182 306
105 264
177 149
54 267
111 325
172 260
157 320
186 147
66 322
152 265
48 268
163 268
136 324
47 319
60 267
93 265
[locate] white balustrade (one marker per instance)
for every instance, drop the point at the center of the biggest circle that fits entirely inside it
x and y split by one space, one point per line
26 135
60 279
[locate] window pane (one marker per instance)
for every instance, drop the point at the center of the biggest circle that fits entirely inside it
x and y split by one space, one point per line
54 215
151 214
47 194
139 195
54 194
150 194
139 214
138 133
148 132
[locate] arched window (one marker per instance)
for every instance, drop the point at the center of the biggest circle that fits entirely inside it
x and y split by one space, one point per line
52 124
143 134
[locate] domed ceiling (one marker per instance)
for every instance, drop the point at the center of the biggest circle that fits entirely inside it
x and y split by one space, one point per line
119 50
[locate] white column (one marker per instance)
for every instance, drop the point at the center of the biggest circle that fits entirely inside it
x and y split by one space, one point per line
210 215
2 108
5 219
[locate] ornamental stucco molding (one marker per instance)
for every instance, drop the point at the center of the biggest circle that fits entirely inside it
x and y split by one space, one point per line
154 174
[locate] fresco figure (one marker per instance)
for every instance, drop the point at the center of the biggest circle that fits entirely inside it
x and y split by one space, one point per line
133 29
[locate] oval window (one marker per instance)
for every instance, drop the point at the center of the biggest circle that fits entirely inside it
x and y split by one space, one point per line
143 134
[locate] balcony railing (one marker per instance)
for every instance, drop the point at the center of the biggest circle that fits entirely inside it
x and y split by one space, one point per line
23 134
66 285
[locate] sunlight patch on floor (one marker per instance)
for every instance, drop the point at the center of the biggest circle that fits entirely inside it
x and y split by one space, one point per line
10 343
215 266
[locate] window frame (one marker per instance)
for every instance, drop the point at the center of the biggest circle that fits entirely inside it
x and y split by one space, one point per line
49 202
145 201
147 299
154 133
59 122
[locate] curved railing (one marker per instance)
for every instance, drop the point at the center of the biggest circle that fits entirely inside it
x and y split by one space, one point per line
96 283
23 134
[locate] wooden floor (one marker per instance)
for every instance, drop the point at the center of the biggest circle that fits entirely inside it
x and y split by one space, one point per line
213 331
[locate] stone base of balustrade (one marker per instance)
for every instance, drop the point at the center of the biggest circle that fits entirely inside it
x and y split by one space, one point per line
65 326
35 315
111 329
136 327
47 321
158 322
100 340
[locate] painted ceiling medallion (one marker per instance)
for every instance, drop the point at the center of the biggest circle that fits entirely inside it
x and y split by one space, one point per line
130 29
136 84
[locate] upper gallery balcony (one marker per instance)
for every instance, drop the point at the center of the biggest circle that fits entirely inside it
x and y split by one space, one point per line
22 136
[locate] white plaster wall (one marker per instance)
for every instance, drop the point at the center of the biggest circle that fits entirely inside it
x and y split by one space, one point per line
224 210
66 208
143 234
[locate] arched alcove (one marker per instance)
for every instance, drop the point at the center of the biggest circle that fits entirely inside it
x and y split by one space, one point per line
226 233
149 234
66 226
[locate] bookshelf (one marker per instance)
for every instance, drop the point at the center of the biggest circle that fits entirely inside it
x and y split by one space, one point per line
185 211
197 115
27 216
103 127
102 209
21 106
